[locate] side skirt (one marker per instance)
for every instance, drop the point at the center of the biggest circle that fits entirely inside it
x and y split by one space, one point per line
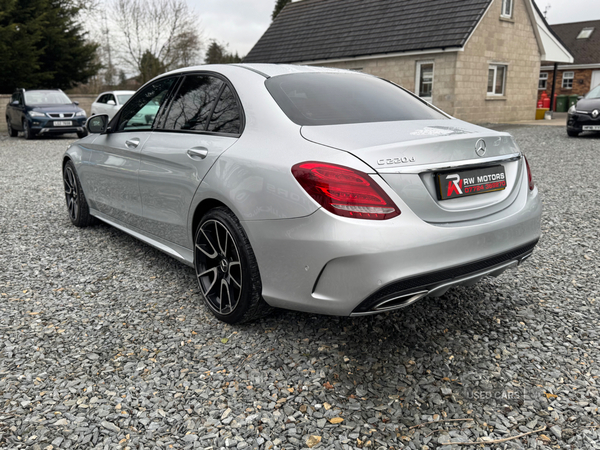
182 254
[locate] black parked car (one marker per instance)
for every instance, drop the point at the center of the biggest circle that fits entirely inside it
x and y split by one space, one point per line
585 114
44 112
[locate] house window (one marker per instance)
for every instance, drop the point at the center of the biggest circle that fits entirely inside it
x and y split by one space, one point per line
543 83
567 81
507 8
496 79
424 80
585 33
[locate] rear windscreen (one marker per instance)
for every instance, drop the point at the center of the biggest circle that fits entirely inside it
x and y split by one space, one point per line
339 98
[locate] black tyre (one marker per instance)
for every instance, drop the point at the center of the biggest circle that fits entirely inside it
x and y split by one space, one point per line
27 134
11 131
226 268
572 133
82 134
79 211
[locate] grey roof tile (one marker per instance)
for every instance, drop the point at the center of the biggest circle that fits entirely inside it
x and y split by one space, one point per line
585 51
311 30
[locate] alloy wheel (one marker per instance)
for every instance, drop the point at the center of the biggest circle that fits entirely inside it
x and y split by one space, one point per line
218 267
71 193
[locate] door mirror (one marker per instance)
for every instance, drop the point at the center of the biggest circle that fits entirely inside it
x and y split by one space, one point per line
580 97
14 103
111 103
97 124
76 103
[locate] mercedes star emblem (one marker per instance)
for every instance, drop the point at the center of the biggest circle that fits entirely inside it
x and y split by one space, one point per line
480 147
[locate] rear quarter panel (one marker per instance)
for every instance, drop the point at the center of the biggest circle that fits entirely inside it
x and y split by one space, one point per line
253 177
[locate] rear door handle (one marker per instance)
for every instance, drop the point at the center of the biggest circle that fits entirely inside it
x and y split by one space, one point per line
197 152
132 143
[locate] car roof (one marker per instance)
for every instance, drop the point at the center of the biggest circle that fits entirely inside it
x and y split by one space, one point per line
116 92
267 70
39 90
273 70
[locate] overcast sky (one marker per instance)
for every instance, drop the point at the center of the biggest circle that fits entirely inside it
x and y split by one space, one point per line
240 23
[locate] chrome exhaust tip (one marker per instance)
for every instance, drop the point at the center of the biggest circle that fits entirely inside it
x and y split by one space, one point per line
393 303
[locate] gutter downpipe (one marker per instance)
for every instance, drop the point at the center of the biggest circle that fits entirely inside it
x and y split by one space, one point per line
553 87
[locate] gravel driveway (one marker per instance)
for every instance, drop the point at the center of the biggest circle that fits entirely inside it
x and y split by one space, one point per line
104 342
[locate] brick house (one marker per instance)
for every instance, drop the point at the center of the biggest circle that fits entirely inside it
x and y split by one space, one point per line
583 41
478 60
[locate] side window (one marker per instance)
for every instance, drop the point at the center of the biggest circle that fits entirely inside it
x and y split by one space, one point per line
193 103
424 83
226 115
101 99
543 82
140 113
507 8
567 80
496 79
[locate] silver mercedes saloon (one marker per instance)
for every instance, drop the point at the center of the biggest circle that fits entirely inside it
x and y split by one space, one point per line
305 188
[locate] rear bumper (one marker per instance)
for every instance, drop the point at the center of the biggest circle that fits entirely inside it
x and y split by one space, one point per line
331 265
405 292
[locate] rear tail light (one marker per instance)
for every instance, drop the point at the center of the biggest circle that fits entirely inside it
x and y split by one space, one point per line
529 176
344 191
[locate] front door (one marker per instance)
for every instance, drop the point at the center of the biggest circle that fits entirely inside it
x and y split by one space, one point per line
203 120
595 79
16 113
112 170
100 107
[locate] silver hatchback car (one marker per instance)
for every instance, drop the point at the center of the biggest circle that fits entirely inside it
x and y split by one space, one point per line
305 188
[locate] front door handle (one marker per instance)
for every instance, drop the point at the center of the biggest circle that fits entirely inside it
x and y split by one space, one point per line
197 152
132 143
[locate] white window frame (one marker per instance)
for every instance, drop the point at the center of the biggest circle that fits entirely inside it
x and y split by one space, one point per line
494 67
418 79
507 5
544 78
566 76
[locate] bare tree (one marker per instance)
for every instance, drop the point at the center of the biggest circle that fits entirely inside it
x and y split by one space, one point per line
187 49
166 29
86 5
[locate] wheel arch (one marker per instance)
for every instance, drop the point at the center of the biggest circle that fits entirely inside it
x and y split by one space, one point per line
70 157
66 159
73 154
202 208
